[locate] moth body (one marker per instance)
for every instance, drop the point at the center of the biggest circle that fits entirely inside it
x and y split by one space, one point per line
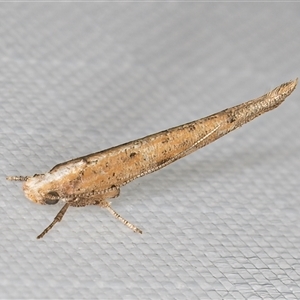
92 179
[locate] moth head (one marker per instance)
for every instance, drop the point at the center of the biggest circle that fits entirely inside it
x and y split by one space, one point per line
40 191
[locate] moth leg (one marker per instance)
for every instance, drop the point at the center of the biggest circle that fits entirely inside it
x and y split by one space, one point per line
57 219
106 205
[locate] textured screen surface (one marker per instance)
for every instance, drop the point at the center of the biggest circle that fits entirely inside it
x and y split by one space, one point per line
222 223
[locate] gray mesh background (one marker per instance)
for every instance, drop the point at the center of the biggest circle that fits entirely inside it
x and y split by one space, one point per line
222 223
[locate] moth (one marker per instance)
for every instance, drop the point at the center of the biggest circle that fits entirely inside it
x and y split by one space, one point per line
97 177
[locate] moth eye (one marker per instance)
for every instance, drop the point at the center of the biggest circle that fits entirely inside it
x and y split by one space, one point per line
51 198
51 201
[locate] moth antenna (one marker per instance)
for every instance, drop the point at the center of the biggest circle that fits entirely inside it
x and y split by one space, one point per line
17 178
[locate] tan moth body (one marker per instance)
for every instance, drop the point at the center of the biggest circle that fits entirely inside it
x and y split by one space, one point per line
92 179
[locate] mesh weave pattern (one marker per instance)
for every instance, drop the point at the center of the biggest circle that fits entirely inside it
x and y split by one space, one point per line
223 223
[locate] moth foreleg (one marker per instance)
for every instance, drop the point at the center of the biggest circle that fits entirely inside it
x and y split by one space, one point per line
57 219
